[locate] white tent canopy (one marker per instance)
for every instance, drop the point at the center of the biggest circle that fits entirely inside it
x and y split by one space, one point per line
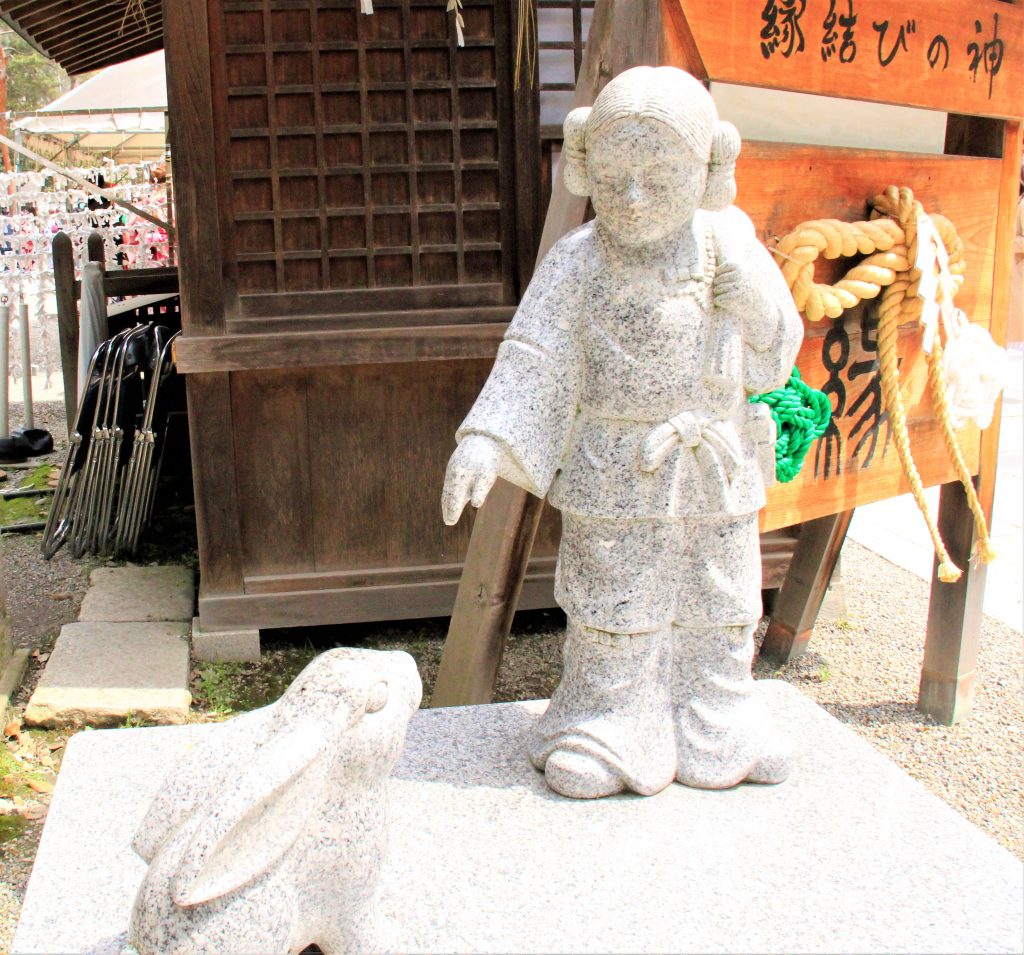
118 113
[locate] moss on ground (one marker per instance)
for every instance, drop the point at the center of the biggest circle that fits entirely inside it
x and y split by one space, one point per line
25 510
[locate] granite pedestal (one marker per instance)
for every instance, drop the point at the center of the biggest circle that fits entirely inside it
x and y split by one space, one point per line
850 854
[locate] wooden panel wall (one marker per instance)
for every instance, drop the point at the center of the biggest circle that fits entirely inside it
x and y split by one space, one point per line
339 473
367 154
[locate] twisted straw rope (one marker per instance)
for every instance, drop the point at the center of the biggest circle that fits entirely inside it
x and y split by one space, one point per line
889 242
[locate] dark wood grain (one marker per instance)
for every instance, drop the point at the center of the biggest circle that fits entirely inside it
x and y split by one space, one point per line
529 170
803 589
953 634
305 608
193 144
212 441
272 457
95 250
67 321
338 347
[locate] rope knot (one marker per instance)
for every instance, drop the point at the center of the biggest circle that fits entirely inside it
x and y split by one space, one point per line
888 241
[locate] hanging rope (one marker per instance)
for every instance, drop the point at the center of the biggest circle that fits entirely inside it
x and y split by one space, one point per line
801 415
889 243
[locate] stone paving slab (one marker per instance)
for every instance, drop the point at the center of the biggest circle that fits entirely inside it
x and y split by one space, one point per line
849 855
132 594
102 673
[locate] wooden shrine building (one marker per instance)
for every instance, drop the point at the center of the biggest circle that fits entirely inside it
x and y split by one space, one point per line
359 204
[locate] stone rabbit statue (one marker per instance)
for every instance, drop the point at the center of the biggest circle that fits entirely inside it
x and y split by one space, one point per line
270 835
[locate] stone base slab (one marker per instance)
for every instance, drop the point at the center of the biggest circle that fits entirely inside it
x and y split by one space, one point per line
127 594
849 855
225 646
103 673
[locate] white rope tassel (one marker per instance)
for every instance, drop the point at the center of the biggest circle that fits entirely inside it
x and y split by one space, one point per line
366 6
936 284
455 6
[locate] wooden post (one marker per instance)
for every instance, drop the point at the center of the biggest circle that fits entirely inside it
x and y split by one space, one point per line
954 618
623 33
803 590
94 248
67 321
954 611
488 593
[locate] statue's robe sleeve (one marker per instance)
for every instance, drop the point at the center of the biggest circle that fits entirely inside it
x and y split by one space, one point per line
529 402
772 332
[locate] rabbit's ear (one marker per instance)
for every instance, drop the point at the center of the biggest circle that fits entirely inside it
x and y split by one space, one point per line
255 817
194 779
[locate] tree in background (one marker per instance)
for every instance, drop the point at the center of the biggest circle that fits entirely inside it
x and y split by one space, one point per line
28 80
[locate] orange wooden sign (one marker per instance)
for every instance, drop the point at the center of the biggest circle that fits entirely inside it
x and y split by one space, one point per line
854 463
953 55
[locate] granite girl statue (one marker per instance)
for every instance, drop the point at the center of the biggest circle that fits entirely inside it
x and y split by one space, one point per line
620 389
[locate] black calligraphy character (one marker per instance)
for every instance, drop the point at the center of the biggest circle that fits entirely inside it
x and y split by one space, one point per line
848 48
782 30
989 56
830 39
901 40
834 364
869 401
938 47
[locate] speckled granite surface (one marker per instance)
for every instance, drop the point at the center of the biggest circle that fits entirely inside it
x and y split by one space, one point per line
849 854
620 392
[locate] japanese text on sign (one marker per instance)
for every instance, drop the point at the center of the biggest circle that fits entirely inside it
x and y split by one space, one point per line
835 30
856 447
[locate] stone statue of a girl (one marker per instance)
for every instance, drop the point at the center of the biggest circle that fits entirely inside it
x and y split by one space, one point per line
621 390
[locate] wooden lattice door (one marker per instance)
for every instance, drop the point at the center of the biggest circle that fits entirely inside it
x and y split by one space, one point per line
369 159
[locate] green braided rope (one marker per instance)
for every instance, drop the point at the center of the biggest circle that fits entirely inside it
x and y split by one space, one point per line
801 416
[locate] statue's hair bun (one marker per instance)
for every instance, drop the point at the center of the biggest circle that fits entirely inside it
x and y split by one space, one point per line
574 151
720 190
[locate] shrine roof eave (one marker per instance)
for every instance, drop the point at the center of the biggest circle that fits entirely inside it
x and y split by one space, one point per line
87 35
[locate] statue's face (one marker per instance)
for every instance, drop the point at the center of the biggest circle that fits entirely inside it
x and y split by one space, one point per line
644 184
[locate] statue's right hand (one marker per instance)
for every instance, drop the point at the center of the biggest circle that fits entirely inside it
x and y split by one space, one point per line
472 471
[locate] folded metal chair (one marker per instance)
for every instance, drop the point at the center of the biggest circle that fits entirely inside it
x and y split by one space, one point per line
138 489
68 494
104 496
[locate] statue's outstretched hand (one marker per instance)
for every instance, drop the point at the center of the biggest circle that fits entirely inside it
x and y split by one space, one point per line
472 471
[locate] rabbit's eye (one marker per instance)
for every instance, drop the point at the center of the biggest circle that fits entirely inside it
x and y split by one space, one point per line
377 698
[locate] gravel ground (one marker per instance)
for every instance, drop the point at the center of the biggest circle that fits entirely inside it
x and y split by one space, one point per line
863 668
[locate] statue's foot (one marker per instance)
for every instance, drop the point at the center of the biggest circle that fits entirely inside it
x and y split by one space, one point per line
774 764
707 767
580 776
609 726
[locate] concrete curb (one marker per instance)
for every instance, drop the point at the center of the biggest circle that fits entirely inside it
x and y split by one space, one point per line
11 678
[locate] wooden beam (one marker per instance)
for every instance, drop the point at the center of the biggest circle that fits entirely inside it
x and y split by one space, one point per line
67 321
213 468
954 611
95 249
948 674
310 349
799 601
197 179
623 33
